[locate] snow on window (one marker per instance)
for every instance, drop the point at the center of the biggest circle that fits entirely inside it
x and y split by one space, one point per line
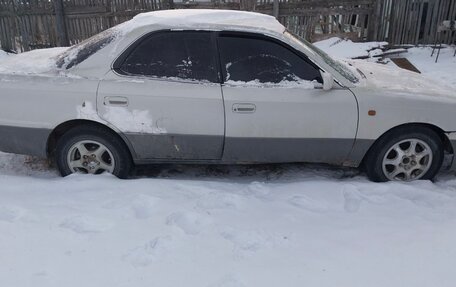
177 54
258 60
80 52
301 84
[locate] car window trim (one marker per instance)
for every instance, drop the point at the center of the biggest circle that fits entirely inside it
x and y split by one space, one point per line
116 66
253 35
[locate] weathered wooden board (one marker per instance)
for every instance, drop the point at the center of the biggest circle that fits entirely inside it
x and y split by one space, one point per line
405 64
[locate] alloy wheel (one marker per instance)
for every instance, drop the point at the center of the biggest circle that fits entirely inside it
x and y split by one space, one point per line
407 160
90 157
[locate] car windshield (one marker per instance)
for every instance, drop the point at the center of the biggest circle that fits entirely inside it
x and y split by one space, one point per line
341 68
80 52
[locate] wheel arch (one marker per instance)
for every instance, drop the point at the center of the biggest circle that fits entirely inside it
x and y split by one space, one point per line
62 128
440 132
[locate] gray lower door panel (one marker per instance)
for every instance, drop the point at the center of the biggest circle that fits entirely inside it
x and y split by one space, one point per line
176 147
254 150
360 149
30 141
33 141
332 151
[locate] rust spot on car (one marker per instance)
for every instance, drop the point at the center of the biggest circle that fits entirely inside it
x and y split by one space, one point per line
371 113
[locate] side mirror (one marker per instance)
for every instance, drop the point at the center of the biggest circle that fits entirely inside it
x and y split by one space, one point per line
328 81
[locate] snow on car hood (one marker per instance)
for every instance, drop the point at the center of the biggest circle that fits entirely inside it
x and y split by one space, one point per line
34 62
383 77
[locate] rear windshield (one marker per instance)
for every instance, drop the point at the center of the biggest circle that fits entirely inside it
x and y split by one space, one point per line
80 52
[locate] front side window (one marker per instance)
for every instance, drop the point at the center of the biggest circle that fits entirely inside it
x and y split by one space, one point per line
247 59
173 54
339 66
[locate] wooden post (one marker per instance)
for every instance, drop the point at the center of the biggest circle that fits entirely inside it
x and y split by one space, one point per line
247 5
169 4
275 9
111 12
60 26
374 19
12 29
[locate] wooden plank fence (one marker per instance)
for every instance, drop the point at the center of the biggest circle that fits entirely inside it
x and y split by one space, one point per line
31 24
413 21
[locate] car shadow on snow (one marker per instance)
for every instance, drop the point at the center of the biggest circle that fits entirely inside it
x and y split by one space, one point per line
19 165
264 172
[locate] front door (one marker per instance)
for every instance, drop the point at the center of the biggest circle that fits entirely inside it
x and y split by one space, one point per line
275 108
165 96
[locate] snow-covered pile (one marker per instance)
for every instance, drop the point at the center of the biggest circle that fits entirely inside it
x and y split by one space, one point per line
3 55
344 48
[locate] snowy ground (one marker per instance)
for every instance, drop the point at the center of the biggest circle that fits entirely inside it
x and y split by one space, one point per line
3 54
279 225
442 71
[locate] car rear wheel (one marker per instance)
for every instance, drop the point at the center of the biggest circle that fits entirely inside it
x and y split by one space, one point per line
92 150
405 154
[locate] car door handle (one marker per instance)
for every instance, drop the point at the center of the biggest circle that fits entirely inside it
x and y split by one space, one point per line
244 108
116 101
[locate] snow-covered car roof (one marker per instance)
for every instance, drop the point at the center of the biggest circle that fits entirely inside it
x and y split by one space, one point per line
205 19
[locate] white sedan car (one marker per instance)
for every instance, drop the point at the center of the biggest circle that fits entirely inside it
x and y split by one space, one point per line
208 86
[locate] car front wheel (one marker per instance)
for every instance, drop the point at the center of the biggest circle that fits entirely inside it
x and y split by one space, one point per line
405 154
92 150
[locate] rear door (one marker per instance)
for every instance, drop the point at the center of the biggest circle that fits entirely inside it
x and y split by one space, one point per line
164 94
275 108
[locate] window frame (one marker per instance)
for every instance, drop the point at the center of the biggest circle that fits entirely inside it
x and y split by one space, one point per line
252 35
215 51
117 64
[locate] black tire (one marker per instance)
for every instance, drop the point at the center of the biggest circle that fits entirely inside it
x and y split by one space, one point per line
118 149
374 158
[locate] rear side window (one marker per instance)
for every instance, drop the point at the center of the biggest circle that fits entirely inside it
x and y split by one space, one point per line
246 59
182 55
